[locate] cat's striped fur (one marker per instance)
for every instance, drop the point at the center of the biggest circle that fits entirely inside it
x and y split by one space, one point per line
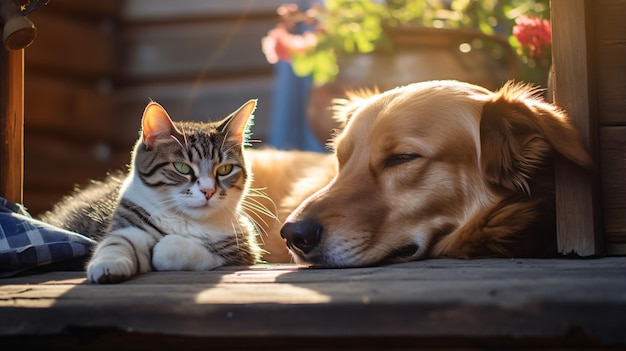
178 208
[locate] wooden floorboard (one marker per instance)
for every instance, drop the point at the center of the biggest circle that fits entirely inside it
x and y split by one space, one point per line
527 301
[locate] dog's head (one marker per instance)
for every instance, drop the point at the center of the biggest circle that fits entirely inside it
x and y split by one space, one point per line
438 168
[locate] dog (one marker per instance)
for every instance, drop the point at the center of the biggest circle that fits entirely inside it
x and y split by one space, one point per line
431 169
281 180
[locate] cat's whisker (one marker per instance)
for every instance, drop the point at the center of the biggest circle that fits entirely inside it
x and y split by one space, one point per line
228 150
236 233
258 210
183 147
254 193
257 215
229 214
259 229
224 141
258 206
168 205
236 225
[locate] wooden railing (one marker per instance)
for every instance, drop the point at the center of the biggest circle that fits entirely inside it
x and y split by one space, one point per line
18 32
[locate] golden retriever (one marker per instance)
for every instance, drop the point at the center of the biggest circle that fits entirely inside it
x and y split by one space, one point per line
431 169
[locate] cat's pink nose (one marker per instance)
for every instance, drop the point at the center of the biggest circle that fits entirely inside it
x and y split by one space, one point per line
208 193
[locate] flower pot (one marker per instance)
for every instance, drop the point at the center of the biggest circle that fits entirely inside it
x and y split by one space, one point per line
415 54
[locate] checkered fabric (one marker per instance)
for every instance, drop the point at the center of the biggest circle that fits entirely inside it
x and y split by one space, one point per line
27 243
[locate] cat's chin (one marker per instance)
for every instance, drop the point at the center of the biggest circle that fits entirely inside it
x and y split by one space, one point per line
201 213
198 205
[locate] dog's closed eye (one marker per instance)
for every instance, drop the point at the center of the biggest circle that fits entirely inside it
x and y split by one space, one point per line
397 159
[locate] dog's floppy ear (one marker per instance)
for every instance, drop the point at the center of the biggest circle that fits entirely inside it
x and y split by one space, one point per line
517 130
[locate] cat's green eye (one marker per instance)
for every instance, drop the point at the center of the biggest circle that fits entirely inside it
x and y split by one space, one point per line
224 169
182 167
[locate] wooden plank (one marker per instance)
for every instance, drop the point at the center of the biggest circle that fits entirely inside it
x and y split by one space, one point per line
38 200
613 169
489 298
67 107
164 10
54 165
11 124
610 35
611 68
55 160
609 15
71 47
193 50
578 219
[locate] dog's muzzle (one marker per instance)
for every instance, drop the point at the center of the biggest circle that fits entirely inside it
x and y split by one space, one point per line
302 236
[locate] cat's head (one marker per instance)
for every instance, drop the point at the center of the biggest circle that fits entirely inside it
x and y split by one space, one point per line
196 169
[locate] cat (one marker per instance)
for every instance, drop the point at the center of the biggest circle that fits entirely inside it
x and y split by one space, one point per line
178 208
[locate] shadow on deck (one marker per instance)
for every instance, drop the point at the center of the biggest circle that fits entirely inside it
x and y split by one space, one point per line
433 304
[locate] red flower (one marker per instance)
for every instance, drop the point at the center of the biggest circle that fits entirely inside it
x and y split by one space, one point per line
533 33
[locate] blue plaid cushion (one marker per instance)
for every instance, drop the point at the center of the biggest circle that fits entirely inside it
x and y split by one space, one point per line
26 243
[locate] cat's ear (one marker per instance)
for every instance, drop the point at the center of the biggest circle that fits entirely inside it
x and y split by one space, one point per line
237 123
156 124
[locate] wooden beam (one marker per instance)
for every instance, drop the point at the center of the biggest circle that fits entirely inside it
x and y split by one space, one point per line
11 124
578 206
613 161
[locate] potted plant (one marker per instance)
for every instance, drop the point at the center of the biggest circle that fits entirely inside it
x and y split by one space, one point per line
366 43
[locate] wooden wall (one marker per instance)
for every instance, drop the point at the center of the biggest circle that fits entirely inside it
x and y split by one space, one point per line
95 65
68 100
610 65
200 59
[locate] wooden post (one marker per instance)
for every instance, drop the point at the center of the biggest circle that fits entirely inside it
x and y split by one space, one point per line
11 124
577 195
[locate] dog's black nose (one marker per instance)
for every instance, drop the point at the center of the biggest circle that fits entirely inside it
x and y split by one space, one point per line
303 235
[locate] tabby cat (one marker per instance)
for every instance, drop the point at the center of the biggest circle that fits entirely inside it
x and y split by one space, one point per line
178 208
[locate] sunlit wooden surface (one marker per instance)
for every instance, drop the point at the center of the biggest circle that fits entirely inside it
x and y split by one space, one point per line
519 301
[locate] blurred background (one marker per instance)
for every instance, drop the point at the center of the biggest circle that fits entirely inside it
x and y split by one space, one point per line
95 65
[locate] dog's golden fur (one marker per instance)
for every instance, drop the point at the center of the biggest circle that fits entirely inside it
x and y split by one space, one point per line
285 178
432 169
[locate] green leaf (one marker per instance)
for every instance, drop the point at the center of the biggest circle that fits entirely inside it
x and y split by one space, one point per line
514 42
326 67
459 5
302 64
486 28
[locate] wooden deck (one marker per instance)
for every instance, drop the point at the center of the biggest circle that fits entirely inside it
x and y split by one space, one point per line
454 304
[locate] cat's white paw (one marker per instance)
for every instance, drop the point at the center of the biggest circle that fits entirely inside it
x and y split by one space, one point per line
105 271
178 253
